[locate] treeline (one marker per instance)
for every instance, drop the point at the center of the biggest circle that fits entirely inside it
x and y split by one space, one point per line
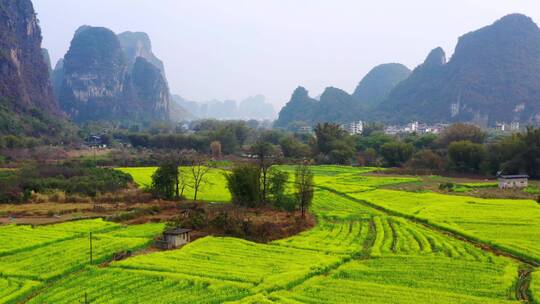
461 148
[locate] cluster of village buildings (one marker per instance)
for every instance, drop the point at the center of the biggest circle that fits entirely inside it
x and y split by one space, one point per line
357 128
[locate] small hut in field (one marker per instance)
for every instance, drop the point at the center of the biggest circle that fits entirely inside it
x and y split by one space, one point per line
513 181
177 237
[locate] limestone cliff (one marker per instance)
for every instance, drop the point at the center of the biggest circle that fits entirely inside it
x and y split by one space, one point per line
101 83
27 103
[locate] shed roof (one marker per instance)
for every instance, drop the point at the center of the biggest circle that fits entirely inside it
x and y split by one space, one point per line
514 176
177 231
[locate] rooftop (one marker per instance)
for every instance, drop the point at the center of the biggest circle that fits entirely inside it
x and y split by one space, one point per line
177 231
514 176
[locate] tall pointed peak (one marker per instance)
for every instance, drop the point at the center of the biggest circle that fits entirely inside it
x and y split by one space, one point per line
436 57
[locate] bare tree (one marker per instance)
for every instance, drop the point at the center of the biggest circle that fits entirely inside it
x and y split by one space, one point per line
199 169
215 146
304 187
181 182
266 154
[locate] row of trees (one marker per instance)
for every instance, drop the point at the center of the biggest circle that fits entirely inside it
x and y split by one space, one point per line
460 148
252 184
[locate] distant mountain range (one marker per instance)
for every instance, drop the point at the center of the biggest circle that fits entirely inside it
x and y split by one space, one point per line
336 105
493 76
254 107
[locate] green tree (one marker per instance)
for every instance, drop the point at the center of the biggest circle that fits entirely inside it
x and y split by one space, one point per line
294 148
164 181
327 134
244 184
426 160
466 156
304 187
277 185
462 132
396 153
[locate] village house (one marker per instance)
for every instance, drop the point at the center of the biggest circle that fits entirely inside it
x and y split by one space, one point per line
175 238
354 128
513 181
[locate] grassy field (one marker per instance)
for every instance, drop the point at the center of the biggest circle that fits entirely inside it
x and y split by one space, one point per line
355 254
214 188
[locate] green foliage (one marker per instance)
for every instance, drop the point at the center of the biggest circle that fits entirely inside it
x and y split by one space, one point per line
462 132
466 156
396 153
303 182
278 181
426 160
294 148
165 180
374 140
72 178
244 184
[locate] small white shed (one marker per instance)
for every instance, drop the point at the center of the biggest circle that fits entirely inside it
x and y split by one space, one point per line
176 238
513 181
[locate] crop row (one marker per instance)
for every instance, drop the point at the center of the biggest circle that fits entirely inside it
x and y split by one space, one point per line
535 286
513 225
339 238
398 236
12 288
19 238
234 260
55 259
114 285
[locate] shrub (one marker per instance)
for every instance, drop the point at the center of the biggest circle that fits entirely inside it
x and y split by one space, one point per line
447 187
467 156
396 153
164 181
244 184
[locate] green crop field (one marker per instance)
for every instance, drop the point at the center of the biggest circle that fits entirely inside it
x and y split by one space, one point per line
510 224
357 253
535 287
214 189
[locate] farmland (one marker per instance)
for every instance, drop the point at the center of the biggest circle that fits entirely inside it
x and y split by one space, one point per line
510 224
358 252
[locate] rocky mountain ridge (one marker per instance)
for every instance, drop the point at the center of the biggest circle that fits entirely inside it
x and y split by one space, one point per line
109 77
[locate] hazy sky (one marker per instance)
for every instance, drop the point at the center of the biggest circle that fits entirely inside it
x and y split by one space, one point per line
231 49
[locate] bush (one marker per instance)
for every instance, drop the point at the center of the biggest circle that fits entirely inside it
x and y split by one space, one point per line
447 187
286 202
71 178
467 156
164 181
244 184
396 153
426 160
